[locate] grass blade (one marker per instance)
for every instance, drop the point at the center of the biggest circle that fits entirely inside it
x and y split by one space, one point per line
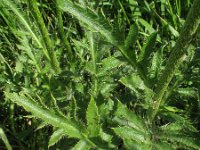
5 140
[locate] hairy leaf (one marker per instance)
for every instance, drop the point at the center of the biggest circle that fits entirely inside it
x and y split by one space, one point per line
134 145
133 82
182 139
90 18
131 134
132 119
132 36
130 42
147 49
187 92
162 145
81 145
108 64
70 128
92 116
184 122
155 67
55 137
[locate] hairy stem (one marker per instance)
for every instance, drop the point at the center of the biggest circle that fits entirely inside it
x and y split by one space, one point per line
178 51
45 35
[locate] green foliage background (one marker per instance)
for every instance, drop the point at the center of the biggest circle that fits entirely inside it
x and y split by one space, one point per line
102 74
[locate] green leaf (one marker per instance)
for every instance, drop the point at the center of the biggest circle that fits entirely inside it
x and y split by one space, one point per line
108 64
147 49
131 134
26 47
146 25
156 63
134 145
56 136
5 140
130 42
188 92
184 122
182 139
93 119
70 128
90 67
74 108
172 127
170 108
90 18
19 67
81 145
132 37
173 31
134 121
106 137
161 145
133 82
105 109
41 125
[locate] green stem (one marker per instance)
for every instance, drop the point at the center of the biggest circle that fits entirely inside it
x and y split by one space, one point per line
62 32
178 51
45 35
